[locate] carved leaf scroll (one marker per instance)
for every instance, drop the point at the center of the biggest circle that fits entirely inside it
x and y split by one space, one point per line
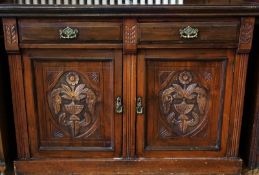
11 34
183 103
246 32
130 36
73 103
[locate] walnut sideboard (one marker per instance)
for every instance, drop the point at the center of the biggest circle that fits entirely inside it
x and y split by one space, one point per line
128 89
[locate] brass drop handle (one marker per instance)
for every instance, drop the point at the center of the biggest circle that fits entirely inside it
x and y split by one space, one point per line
118 105
68 33
189 32
139 106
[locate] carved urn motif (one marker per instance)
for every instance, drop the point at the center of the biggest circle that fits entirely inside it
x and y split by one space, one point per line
184 103
73 104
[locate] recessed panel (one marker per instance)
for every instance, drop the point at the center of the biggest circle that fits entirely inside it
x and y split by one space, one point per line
73 104
184 104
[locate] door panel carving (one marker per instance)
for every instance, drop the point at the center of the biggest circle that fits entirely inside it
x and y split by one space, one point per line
73 103
184 103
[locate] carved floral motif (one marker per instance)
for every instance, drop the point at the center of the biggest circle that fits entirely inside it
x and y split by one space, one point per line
73 104
183 103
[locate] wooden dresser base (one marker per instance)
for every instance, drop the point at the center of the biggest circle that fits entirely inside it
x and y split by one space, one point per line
136 166
128 95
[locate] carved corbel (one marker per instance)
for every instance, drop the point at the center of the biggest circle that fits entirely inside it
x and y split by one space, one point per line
130 36
10 34
246 34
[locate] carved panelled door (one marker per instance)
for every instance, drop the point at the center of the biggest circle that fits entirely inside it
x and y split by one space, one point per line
186 97
70 98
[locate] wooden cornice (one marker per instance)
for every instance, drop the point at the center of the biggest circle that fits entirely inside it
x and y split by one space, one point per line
12 10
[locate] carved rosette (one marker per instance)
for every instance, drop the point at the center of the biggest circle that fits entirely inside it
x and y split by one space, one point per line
183 105
73 104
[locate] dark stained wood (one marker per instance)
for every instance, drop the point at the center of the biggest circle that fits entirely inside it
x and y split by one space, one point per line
246 35
76 118
163 133
73 45
46 30
209 31
130 35
187 45
239 71
18 99
11 34
237 103
181 98
190 8
129 87
132 167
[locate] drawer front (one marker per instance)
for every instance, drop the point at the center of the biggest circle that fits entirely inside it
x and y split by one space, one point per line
63 31
184 32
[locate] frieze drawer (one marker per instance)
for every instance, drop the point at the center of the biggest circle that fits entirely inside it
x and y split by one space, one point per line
189 32
69 31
